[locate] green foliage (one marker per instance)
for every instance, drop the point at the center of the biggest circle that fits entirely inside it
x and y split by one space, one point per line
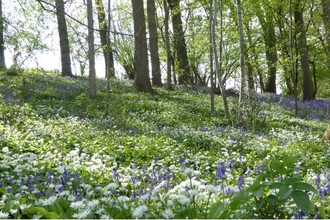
153 156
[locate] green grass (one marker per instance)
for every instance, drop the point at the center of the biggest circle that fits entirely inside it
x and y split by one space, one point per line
51 129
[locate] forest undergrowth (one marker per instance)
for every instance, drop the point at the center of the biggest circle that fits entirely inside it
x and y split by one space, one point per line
156 156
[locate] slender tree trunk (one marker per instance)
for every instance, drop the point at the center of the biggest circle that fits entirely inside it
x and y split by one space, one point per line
168 48
293 66
153 43
303 51
271 56
103 26
211 59
109 62
91 52
64 40
2 42
242 93
142 78
326 21
217 66
180 43
250 78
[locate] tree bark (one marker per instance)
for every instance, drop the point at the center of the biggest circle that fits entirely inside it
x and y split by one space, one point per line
142 78
2 42
217 65
64 40
242 93
271 56
303 51
168 48
326 21
180 43
103 26
91 52
153 43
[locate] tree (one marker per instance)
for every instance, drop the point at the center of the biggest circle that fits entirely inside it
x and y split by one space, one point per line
266 20
153 43
180 43
168 47
103 26
242 93
326 21
64 41
141 69
2 42
91 53
303 51
216 59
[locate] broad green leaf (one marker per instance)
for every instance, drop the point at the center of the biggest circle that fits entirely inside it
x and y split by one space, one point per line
291 181
266 183
216 210
3 191
260 203
276 185
271 198
284 192
39 210
51 215
258 192
301 199
289 161
304 186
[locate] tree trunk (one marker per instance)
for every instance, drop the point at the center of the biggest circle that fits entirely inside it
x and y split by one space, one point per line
180 43
103 26
153 43
242 93
168 48
64 40
326 21
91 52
142 78
2 42
217 66
271 56
303 51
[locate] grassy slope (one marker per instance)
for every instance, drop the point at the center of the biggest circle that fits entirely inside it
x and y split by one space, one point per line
57 120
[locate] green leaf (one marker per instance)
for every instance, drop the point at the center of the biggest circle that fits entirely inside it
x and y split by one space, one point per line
39 210
289 161
301 199
271 198
276 185
51 215
3 191
291 181
216 210
258 192
304 186
284 192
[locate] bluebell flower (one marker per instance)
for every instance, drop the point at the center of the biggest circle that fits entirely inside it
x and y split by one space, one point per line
9 190
240 183
221 171
257 170
64 184
227 191
134 178
318 181
183 162
115 174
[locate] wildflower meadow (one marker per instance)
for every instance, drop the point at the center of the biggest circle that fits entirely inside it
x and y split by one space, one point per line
161 156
